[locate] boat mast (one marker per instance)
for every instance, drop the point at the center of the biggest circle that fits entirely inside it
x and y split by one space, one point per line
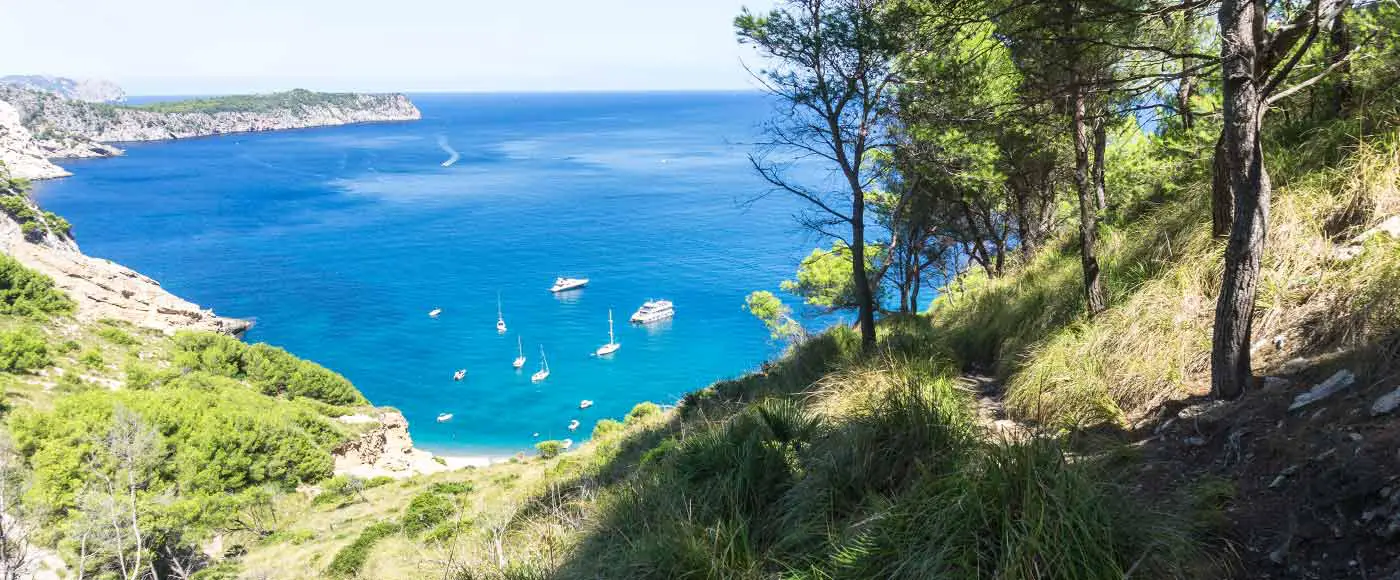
611 340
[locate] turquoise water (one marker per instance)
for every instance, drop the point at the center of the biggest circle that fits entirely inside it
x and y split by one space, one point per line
338 241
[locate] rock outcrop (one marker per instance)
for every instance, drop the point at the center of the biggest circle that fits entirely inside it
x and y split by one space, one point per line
58 128
387 450
104 289
90 90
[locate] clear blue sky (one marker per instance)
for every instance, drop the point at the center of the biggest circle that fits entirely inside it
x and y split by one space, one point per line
201 47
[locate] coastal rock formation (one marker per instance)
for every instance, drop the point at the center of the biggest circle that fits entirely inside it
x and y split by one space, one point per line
55 127
90 90
387 450
19 152
104 289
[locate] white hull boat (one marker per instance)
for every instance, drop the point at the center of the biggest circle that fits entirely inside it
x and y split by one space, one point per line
573 425
568 443
585 404
434 313
444 417
543 373
500 318
566 284
612 345
520 359
653 311
459 375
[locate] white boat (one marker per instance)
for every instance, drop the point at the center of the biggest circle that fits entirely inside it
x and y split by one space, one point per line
500 318
519 360
653 311
566 284
612 345
459 375
568 443
543 373
444 417
585 404
573 425
434 312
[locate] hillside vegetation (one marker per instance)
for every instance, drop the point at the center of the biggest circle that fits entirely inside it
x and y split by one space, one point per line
295 100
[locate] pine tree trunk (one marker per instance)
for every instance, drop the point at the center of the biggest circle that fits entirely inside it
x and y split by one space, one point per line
865 301
1088 214
1243 100
1222 195
1338 50
1100 152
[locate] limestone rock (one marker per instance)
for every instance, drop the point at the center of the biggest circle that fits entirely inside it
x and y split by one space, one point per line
21 154
1338 381
1387 403
387 450
90 90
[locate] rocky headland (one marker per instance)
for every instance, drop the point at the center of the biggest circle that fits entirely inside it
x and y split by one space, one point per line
37 126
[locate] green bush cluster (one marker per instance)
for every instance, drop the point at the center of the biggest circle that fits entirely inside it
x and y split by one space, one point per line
24 292
271 370
23 350
642 411
550 449
33 223
216 437
350 559
426 511
117 336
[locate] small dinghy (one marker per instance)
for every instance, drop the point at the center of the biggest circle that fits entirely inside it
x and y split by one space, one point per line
585 404
573 425
459 375
568 443
434 312
444 417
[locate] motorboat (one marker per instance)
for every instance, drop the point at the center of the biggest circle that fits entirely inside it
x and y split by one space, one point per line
568 443
543 373
573 425
444 417
520 359
612 345
585 404
500 318
459 375
653 311
566 284
434 312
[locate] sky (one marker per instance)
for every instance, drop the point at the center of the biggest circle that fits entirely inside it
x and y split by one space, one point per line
184 47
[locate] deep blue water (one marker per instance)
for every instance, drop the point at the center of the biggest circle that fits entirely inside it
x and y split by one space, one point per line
338 241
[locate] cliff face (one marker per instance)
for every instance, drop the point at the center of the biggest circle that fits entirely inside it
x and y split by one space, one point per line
101 288
36 126
90 90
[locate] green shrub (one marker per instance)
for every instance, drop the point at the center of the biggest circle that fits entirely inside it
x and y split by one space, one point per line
377 481
606 427
24 292
271 370
445 532
117 336
223 570
68 346
425 511
140 375
451 487
23 350
350 559
550 449
91 359
642 411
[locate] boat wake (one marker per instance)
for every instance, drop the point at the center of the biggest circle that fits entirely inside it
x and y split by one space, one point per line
442 142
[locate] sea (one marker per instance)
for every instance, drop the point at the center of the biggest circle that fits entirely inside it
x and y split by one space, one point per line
338 241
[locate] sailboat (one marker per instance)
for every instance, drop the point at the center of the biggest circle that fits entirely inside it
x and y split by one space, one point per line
519 360
543 373
612 345
500 318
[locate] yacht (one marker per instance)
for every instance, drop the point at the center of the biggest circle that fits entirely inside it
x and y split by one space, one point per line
520 359
444 417
585 404
459 375
653 311
612 345
434 312
500 318
543 373
566 284
573 425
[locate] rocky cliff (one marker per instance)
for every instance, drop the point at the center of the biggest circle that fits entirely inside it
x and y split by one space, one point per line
44 125
101 288
90 90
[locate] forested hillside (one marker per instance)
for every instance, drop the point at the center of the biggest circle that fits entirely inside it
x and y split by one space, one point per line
1163 245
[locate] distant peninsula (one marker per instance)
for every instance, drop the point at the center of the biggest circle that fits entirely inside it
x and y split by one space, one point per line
37 126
